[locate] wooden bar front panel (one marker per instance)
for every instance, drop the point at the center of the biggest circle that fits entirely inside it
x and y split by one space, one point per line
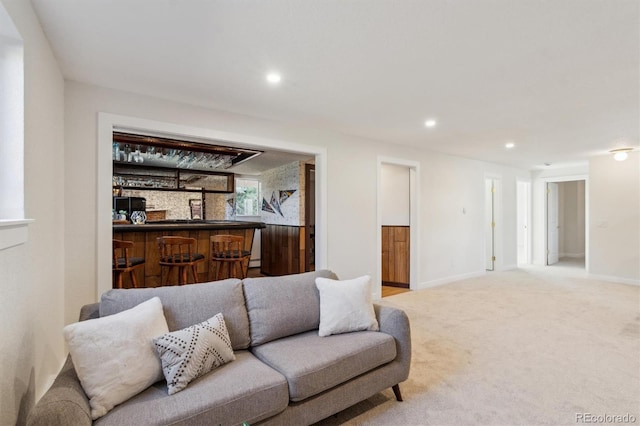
145 246
281 250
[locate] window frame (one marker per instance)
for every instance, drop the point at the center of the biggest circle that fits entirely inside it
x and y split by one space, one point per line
252 178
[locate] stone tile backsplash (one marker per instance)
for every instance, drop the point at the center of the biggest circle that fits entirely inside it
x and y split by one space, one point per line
176 203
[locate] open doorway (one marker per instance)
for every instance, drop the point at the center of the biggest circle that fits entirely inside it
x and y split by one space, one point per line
566 223
107 123
397 225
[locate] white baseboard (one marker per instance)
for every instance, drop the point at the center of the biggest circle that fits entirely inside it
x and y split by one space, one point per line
447 280
254 263
614 279
508 267
572 255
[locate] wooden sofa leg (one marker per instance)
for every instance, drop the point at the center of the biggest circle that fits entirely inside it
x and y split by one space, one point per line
396 392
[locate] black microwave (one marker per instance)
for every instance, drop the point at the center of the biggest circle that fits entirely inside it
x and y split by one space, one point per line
129 204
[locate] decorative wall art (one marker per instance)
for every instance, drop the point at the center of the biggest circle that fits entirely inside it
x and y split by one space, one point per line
284 195
275 203
281 189
266 207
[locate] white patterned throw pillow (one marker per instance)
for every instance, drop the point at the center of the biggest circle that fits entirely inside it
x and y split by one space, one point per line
193 351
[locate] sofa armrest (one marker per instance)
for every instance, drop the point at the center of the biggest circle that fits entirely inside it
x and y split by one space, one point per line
395 322
90 311
65 403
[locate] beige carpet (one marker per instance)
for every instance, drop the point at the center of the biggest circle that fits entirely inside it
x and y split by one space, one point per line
534 346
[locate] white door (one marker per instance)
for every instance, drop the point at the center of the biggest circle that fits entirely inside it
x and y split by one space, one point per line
489 190
523 196
553 226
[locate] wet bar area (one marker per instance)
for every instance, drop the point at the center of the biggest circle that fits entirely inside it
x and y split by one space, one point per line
200 192
145 246
164 187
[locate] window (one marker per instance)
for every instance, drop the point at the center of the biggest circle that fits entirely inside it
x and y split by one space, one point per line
247 197
11 120
12 223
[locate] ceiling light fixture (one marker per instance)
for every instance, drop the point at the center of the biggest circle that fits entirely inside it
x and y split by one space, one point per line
509 145
274 78
620 154
430 123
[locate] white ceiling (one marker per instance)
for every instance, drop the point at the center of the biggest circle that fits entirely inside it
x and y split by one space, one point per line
558 78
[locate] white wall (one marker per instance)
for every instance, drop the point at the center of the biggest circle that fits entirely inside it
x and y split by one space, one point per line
348 160
453 206
614 210
395 195
452 242
32 275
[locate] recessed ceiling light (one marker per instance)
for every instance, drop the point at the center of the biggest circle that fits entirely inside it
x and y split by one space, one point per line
430 123
620 154
274 77
509 145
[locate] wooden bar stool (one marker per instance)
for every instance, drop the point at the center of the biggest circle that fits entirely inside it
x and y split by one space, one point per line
229 250
122 262
179 252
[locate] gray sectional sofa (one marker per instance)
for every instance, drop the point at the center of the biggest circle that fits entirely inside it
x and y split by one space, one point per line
284 373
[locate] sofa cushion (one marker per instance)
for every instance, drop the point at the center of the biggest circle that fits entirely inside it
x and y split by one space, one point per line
313 364
245 390
190 304
283 306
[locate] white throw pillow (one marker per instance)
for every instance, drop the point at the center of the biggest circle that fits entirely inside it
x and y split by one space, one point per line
114 355
345 306
193 351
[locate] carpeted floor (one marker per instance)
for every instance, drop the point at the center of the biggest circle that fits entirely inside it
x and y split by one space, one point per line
534 346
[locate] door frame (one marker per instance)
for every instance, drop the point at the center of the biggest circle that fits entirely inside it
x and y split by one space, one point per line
309 206
553 244
414 220
544 207
490 218
498 263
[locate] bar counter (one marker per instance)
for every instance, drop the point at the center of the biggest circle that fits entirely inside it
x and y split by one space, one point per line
145 246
